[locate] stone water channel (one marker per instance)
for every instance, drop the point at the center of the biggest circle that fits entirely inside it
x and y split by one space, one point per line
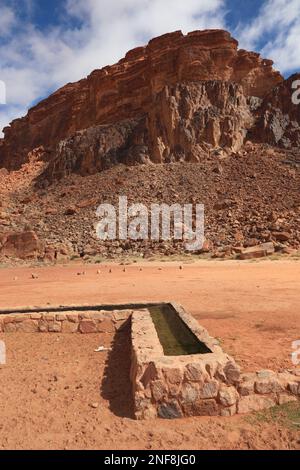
177 368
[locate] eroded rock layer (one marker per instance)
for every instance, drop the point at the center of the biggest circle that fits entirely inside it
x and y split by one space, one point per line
184 123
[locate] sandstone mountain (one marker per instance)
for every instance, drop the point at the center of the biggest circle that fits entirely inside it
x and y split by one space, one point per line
187 118
191 79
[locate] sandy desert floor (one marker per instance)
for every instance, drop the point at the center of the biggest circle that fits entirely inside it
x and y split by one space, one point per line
56 392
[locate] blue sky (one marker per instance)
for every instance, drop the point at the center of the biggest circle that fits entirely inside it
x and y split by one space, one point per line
47 43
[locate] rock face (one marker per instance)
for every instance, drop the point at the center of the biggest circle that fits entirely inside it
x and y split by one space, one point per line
135 88
183 124
278 120
186 120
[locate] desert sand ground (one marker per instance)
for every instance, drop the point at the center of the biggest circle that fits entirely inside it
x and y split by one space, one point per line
56 392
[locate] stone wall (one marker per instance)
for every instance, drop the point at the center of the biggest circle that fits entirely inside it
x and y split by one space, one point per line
164 386
65 322
198 385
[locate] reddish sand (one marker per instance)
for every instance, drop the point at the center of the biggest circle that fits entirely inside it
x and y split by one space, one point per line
51 381
253 308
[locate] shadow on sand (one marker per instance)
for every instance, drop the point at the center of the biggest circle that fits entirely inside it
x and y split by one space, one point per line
116 386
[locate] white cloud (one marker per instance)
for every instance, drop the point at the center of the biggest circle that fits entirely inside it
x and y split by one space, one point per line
7 20
277 26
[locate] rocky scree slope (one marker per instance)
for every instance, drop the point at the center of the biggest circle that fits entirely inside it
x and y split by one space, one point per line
250 198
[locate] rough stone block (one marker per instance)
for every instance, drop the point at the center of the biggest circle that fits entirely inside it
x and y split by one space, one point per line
254 403
230 411
28 326
173 375
266 374
195 372
69 327
49 317
284 398
97 316
232 372
43 326
170 410
10 327
189 393
106 326
266 386
246 388
73 317
54 327
19 318
148 412
61 317
201 408
35 316
87 327
294 387
84 316
228 396
209 390
159 390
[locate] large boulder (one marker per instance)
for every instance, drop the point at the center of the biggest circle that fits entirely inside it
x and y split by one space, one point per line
24 245
258 251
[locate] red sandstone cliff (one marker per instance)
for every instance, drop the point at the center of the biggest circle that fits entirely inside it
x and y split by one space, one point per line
156 97
278 118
